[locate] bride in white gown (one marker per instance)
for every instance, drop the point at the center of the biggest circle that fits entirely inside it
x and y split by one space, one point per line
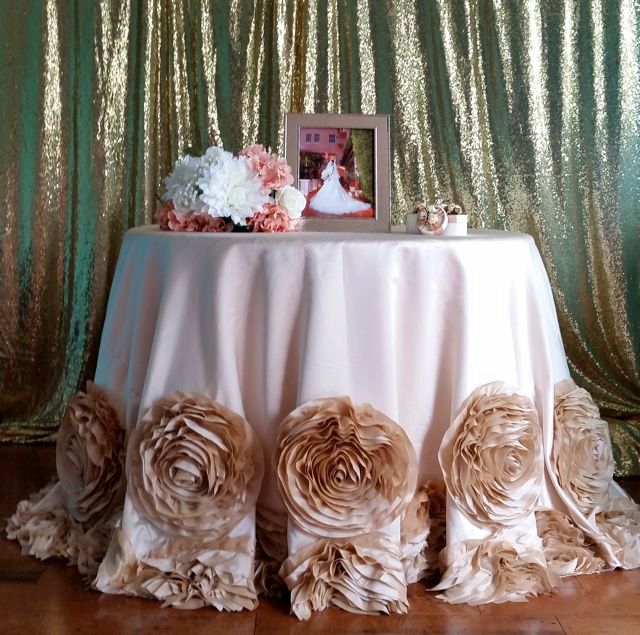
332 197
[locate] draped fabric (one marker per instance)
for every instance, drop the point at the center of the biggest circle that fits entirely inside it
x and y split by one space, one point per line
527 113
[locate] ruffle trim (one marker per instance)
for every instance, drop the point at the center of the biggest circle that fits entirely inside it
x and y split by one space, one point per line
45 529
620 524
567 549
360 575
202 575
494 570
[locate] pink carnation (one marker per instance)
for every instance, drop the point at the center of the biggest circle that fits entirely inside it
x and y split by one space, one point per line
170 220
256 149
257 157
162 214
273 170
272 219
214 224
276 173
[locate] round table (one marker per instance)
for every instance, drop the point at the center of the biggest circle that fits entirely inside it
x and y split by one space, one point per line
263 323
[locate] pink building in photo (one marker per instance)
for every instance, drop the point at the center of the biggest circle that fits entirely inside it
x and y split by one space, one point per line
325 141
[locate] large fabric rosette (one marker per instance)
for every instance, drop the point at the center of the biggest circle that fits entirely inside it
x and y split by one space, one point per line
343 469
194 468
184 573
194 471
491 456
581 456
73 518
582 461
90 455
346 474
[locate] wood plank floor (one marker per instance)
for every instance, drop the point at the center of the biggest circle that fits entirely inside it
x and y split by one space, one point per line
48 597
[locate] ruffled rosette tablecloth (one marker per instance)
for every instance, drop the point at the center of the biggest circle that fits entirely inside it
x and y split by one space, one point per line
331 416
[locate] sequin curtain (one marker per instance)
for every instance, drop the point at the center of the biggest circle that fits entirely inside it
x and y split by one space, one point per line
525 112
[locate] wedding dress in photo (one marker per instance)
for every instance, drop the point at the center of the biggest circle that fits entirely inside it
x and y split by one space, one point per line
332 198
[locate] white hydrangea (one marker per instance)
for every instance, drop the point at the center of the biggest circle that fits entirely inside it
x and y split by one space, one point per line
187 199
181 185
212 156
231 189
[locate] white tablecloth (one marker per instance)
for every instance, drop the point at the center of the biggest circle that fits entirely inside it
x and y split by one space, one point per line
265 322
473 423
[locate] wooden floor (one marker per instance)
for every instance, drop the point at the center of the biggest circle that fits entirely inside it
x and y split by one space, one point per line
37 597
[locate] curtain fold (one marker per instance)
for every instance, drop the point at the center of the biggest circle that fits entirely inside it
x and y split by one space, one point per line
525 112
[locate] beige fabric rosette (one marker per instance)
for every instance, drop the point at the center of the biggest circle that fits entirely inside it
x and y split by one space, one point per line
194 471
491 456
45 529
90 455
73 518
360 575
582 461
266 577
342 469
194 468
581 456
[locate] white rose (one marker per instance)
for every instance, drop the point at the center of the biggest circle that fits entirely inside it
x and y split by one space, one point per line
291 200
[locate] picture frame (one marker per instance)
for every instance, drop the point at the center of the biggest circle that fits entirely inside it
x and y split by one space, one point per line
341 163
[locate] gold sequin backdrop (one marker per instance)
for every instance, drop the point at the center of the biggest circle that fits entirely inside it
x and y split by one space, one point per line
526 112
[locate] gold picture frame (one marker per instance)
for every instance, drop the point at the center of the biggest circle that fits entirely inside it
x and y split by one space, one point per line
341 163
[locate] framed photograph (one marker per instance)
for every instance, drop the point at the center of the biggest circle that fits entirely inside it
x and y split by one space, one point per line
340 162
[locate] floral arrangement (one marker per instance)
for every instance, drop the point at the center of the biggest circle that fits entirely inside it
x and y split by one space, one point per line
433 219
220 192
430 219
